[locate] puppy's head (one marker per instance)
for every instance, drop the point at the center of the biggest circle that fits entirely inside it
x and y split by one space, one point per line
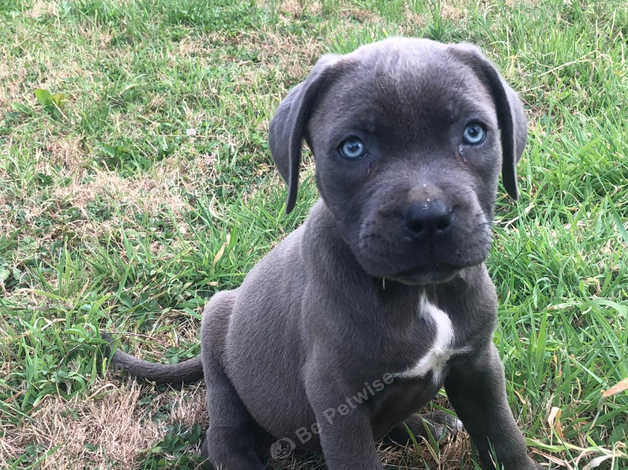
409 137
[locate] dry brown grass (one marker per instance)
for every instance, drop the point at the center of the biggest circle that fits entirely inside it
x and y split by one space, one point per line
295 8
158 192
453 10
54 71
66 152
454 453
41 8
150 194
292 55
107 429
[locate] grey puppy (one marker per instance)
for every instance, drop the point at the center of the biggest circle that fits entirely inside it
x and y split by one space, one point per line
355 320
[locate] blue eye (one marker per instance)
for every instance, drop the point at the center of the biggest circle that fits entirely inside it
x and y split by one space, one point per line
352 148
474 134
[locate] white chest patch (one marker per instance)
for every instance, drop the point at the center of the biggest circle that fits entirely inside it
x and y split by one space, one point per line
442 348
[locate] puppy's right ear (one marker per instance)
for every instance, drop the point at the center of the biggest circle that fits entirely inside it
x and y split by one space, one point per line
289 125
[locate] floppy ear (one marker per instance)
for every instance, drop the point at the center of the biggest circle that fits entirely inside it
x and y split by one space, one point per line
289 124
511 118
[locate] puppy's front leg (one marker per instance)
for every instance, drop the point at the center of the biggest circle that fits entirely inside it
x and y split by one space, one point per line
346 435
477 392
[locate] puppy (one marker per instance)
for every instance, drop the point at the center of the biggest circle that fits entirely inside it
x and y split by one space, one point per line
357 318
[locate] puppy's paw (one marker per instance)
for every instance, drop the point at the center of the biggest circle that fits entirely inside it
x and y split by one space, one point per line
436 425
442 424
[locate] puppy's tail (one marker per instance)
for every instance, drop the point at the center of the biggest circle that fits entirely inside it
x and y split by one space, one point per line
185 372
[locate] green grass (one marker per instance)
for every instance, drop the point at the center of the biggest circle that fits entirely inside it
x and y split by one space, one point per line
113 216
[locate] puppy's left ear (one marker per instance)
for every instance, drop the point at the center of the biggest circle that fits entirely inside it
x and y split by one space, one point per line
510 115
288 127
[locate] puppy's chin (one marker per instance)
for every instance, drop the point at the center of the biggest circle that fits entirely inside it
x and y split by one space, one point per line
425 278
419 274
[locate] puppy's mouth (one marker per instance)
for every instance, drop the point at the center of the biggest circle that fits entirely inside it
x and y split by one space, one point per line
383 253
425 275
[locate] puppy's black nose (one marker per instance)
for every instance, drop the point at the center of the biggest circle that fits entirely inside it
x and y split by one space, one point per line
428 217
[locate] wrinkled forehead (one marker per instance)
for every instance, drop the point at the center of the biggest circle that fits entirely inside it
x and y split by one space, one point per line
405 90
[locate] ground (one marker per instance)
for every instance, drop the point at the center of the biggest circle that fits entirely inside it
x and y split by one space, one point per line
135 181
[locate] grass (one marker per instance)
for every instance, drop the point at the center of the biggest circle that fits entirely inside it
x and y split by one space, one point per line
135 181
